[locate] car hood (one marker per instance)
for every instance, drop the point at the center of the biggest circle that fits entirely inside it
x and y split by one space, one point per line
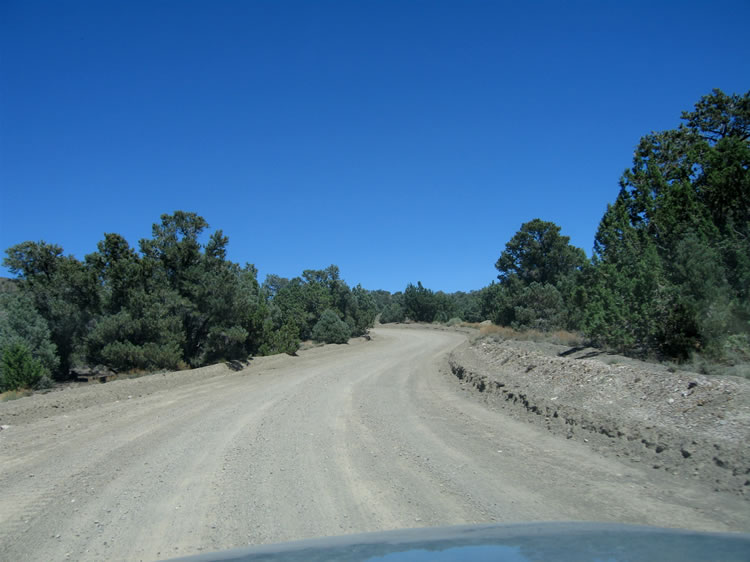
580 542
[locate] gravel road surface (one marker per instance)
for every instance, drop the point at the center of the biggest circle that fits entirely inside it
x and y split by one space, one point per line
342 439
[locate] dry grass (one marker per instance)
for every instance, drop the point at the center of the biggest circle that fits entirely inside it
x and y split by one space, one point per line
698 364
560 337
309 344
15 394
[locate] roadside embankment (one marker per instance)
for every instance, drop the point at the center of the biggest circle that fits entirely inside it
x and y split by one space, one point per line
687 424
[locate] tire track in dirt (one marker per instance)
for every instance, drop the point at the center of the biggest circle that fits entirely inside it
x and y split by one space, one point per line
341 439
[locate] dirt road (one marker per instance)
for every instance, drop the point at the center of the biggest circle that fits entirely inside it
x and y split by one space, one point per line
343 439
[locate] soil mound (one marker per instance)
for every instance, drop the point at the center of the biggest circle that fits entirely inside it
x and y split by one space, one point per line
687 424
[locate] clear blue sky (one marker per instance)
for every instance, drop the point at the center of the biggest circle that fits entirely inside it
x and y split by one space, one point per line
400 140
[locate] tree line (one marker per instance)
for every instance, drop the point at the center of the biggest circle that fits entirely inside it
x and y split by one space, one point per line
670 272
669 277
174 303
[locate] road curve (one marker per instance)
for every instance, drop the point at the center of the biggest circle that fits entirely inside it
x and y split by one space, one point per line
342 439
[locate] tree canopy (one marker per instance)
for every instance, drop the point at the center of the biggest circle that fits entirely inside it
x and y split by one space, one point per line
172 303
670 273
669 276
538 253
672 253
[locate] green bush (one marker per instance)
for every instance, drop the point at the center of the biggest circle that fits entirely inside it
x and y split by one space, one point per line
125 356
44 383
331 329
394 312
279 340
18 368
21 323
539 307
225 344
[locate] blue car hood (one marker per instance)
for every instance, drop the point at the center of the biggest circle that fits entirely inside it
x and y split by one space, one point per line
533 542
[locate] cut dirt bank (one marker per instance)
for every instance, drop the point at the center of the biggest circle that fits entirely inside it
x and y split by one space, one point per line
687 424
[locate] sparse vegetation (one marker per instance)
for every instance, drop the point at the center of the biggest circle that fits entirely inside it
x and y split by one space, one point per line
499 333
15 394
